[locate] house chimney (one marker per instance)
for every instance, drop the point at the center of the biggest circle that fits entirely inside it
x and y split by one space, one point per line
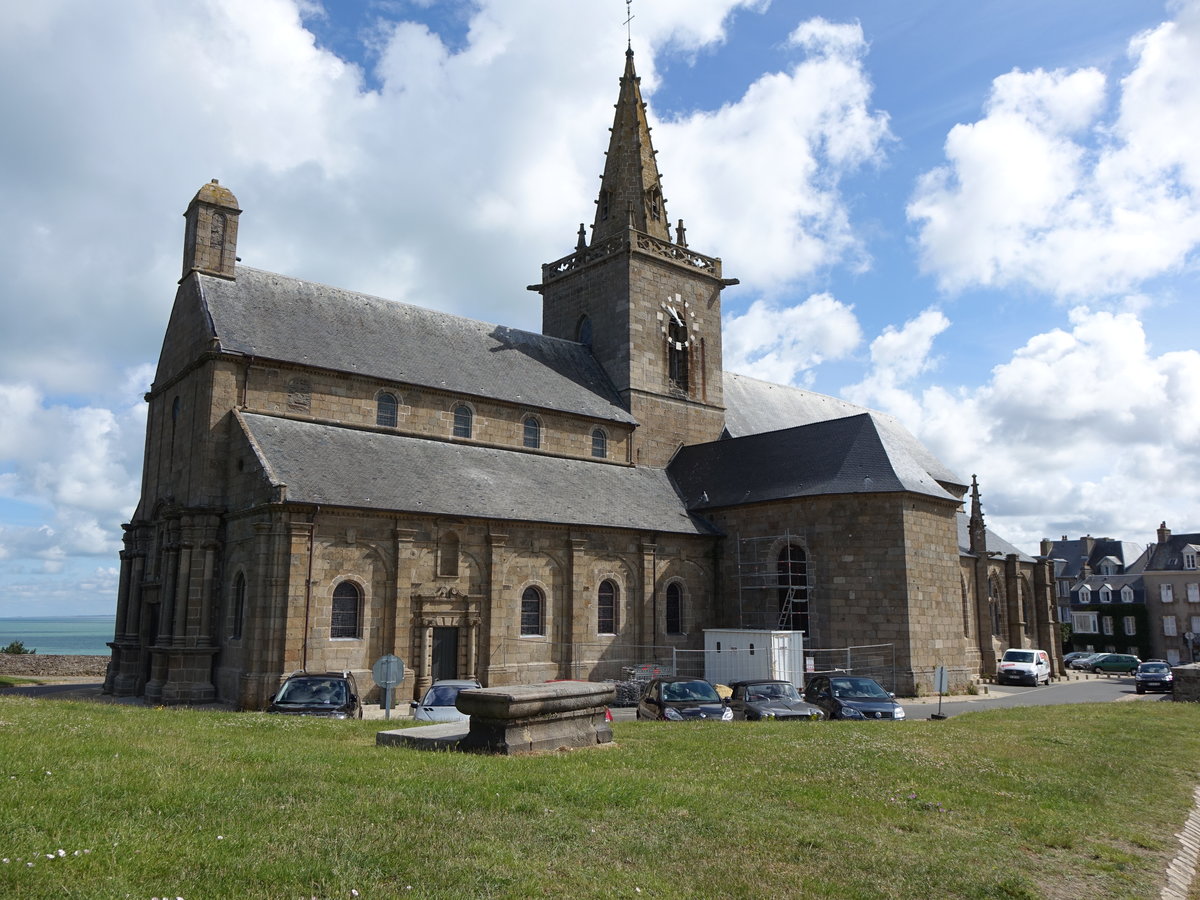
1089 544
1047 546
1164 533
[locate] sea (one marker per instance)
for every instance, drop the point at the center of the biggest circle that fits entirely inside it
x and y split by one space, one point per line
60 635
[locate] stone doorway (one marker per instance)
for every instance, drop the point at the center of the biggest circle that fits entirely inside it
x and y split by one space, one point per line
446 630
444 662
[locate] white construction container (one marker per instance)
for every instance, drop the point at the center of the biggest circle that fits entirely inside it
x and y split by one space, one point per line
738 654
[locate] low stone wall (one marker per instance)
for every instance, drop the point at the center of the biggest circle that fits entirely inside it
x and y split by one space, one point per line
39 665
1187 682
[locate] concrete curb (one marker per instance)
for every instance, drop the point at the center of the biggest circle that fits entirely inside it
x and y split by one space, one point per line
1182 869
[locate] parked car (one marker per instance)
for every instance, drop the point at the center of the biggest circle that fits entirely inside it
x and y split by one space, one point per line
1083 663
329 694
1024 667
1115 662
852 697
682 699
1076 654
771 699
438 704
1154 676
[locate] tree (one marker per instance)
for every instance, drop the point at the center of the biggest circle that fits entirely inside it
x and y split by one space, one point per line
17 648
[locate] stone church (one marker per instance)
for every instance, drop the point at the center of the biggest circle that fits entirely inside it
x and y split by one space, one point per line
331 477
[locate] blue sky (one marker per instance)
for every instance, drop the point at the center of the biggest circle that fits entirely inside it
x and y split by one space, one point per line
981 217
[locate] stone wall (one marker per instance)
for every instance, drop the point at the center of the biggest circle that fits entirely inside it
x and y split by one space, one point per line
47 665
1187 682
421 412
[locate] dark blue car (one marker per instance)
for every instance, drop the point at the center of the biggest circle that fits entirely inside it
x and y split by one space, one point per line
852 697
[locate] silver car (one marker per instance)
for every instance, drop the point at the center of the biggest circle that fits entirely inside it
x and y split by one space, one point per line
438 704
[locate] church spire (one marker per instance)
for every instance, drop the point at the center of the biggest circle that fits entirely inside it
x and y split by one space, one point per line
630 188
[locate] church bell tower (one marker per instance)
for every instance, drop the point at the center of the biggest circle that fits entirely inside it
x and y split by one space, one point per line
647 305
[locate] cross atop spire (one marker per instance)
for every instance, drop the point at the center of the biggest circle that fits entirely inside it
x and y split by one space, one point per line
630 188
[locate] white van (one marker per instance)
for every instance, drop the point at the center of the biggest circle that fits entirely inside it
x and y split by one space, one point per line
1024 667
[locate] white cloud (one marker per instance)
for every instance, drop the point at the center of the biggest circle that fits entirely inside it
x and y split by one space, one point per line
783 344
77 467
1082 430
779 155
1051 191
898 356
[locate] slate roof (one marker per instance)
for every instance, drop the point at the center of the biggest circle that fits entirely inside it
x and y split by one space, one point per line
1168 556
995 543
368 470
1074 553
275 317
850 455
755 407
1115 583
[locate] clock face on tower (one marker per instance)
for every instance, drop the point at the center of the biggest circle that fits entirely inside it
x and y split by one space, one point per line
677 320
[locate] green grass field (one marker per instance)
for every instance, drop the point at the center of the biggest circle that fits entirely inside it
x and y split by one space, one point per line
1066 801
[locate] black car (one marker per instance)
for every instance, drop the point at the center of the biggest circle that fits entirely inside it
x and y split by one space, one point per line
328 694
770 699
852 697
1154 676
682 700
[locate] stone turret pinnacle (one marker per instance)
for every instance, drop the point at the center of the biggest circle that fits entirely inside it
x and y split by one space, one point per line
978 531
630 188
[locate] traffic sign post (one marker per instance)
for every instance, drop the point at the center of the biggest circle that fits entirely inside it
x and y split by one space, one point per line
941 684
388 672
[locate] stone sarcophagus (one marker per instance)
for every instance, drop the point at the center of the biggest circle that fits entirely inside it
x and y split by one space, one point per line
525 718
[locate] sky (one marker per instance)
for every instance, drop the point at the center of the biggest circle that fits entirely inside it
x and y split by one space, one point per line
983 218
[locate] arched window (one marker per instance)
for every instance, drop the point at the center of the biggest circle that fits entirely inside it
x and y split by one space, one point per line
533 432
533 608
607 602
599 443
674 608
462 421
966 608
239 607
677 354
346 617
583 331
994 606
385 410
793 586
176 408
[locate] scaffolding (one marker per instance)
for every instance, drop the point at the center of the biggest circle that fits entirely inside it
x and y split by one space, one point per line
774 582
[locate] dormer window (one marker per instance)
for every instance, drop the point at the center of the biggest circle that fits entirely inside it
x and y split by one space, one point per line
1085 594
1127 594
1189 557
1106 594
